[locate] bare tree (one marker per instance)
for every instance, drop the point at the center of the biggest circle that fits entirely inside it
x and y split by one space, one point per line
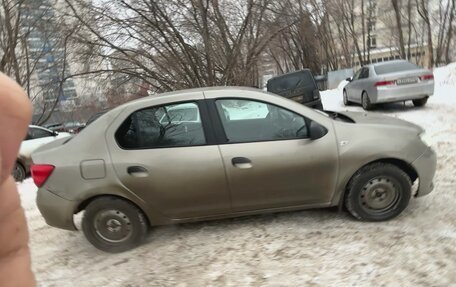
397 6
445 26
296 47
181 44
450 32
423 11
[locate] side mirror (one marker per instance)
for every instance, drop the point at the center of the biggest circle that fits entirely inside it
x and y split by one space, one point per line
317 131
55 133
349 79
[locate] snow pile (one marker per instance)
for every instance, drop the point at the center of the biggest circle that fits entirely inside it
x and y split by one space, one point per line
445 75
445 84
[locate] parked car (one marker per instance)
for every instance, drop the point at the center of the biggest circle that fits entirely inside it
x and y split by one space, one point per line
73 127
57 127
251 152
36 137
68 127
299 86
393 81
180 113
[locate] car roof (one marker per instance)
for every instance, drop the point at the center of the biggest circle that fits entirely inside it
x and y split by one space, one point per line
386 63
288 74
183 93
39 127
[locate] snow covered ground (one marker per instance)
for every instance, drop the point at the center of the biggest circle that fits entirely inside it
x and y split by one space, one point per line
307 248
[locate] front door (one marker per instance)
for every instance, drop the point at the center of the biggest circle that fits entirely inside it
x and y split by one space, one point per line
162 155
353 87
270 160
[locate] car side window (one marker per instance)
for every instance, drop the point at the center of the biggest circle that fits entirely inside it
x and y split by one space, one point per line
357 74
35 133
163 126
364 73
250 121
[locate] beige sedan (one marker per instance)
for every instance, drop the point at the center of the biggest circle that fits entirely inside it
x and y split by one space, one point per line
224 152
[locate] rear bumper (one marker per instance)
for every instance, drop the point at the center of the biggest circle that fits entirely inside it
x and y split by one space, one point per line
425 166
403 93
57 211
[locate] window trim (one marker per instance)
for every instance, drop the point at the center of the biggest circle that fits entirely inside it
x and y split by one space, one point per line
220 132
205 124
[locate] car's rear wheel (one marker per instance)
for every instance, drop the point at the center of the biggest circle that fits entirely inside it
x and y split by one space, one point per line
365 102
420 102
346 101
19 173
378 192
114 225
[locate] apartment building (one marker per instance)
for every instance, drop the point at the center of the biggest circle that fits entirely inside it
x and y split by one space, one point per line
378 35
47 55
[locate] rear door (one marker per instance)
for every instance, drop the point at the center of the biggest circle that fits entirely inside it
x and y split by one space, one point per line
170 162
269 159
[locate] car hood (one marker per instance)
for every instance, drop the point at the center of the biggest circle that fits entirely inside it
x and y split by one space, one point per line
380 120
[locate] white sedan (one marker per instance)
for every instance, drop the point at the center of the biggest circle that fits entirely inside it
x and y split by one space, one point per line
36 137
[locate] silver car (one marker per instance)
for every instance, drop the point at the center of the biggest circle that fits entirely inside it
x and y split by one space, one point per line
225 152
393 81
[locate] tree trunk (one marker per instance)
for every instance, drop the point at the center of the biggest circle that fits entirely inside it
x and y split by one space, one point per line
450 33
397 6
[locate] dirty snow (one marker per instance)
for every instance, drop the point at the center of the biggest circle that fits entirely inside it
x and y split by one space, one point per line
307 248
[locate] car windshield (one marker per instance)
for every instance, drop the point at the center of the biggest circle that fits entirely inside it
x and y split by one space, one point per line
395 67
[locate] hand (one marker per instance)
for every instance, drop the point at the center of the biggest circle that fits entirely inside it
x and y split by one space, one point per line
15 114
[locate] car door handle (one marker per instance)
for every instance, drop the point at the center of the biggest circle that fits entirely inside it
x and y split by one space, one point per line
241 162
137 171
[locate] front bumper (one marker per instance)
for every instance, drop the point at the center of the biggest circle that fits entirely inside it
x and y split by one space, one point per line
425 165
57 211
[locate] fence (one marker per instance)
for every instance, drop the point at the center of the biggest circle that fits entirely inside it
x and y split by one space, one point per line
335 77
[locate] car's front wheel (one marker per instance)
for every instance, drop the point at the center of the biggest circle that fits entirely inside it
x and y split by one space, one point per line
420 102
19 173
114 225
378 192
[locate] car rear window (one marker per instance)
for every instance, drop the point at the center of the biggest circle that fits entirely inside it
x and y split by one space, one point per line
395 67
173 125
291 81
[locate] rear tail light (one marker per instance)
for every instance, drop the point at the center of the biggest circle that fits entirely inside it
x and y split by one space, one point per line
41 172
385 83
427 77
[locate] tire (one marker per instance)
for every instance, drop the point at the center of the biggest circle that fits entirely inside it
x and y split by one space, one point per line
378 192
365 102
420 102
19 173
114 225
345 97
